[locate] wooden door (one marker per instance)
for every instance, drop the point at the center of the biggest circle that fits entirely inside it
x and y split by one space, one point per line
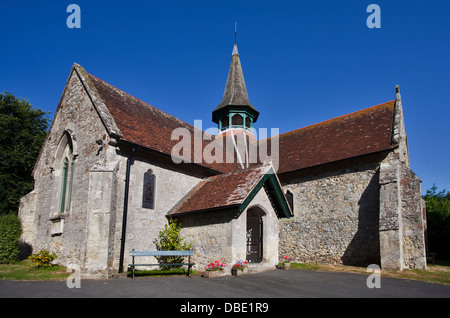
254 237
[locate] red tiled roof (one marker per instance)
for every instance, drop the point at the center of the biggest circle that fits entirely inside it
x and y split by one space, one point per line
221 191
356 134
147 126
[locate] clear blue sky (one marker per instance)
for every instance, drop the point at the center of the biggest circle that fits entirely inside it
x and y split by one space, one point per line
303 61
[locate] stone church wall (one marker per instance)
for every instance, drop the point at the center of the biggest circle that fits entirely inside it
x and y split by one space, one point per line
336 212
144 224
89 234
402 216
65 233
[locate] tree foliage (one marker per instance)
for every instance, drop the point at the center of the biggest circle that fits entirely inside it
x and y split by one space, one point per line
22 133
438 222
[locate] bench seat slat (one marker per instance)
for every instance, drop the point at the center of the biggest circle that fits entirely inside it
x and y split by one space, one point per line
168 264
161 253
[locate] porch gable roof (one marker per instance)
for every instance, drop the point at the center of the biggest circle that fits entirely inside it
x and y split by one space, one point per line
233 190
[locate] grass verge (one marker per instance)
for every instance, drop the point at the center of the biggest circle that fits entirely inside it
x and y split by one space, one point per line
439 273
23 271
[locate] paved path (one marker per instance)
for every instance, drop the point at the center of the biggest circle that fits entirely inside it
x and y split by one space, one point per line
271 284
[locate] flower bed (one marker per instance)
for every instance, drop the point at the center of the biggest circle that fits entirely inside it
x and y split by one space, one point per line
214 269
214 266
239 268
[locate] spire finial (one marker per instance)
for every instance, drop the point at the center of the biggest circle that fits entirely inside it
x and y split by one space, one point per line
235 50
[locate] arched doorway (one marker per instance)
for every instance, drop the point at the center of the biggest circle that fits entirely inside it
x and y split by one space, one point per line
254 236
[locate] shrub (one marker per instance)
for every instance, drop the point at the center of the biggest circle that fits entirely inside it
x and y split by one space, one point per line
10 232
43 259
170 239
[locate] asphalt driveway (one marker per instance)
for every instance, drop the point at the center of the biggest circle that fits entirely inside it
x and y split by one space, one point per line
270 284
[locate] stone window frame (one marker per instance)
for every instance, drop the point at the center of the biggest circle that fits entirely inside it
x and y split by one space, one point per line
149 190
63 171
67 168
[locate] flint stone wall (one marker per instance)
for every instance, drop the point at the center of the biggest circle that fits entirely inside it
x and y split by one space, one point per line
336 216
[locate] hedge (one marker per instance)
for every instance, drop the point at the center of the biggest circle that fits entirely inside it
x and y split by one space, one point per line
10 232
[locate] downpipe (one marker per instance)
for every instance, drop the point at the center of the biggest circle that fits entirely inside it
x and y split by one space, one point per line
125 210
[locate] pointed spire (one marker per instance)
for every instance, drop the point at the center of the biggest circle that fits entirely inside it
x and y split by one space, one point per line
235 50
235 93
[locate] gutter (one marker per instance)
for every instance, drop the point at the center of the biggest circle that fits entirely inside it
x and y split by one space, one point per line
125 210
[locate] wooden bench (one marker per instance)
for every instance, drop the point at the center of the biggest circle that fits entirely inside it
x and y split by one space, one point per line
134 254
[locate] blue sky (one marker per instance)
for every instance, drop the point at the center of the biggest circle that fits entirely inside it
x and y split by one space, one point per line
304 61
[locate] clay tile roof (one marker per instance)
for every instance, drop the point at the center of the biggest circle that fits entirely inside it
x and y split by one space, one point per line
221 191
359 133
147 126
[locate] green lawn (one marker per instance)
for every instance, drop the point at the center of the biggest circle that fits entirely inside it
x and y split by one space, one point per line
22 271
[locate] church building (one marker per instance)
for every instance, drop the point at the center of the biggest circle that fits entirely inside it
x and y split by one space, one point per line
114 170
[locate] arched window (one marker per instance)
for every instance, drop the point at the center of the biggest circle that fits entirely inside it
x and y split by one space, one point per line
148 194
248 122
225 122
237 120
67 166
290 200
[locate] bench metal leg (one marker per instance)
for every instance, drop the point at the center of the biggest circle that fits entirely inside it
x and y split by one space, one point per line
189 267
132 267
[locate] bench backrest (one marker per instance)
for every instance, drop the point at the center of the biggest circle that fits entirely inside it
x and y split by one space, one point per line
161 253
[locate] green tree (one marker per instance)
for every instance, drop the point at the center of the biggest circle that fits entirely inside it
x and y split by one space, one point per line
438 222
22 133
170 239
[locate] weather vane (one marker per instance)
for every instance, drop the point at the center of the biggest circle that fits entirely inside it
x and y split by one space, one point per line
235 31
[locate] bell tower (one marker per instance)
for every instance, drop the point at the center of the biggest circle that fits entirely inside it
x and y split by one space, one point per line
235 111
236 116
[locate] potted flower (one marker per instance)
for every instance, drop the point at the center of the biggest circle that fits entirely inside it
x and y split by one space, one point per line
239 268
213 269
287 262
